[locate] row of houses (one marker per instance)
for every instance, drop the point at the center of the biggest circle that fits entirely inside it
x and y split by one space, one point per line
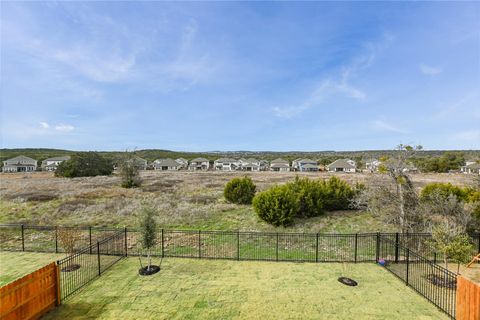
26 164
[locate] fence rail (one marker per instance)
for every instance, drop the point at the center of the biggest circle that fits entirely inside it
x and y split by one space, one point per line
435 283
79 269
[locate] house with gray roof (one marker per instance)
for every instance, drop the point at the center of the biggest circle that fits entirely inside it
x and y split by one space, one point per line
226 164
280 165
19 164
166 165
342 165
252 164
199 164
51 164
183 163
305 165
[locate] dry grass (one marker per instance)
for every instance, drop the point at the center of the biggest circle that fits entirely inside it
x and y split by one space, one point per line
183 200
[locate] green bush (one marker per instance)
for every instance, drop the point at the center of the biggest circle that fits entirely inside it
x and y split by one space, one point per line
307 198
338 194
278 205
444 190
84 164
240 190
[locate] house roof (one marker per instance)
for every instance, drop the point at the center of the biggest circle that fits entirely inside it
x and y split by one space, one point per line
279 160
19 159
310 166
473 166
226 160
180 160
279 165
199 160
251 160
61 158
307 161
341 163
167 163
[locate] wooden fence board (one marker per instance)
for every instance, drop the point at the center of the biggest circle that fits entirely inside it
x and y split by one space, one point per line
30 296
468 299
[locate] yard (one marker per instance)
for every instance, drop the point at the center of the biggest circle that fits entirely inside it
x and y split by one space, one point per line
14 265
216 289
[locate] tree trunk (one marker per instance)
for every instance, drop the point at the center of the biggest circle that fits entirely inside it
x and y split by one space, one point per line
458 268
402 206
149 260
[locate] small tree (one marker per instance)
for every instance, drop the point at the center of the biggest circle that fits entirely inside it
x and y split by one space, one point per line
68 238
85 164
240 190
148 231
129 170
461 250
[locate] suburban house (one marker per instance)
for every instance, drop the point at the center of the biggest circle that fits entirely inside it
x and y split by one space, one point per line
373 165
19 164
252 164
305 165
342 165
199 164
471 167
51 164
226 164
279 165
183 163
166 165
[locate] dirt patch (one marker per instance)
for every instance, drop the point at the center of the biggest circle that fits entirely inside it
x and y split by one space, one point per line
32 196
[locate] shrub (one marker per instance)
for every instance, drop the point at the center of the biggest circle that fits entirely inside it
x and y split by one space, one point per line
338 194
240 190
84 164
129 171
443 190
310 196
278 205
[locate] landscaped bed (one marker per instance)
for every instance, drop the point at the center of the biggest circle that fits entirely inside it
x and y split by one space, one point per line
14 265
216 289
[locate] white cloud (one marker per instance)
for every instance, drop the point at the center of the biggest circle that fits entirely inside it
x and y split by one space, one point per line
64 127
44 125
429 70
382 125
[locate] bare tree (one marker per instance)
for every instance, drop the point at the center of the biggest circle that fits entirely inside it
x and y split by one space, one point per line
68 238
129 170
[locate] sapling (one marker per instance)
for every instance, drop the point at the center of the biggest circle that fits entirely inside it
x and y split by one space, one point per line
148 230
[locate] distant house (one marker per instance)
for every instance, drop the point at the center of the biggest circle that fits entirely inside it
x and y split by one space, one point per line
252 164
471 168
199 164
51 164
183 163
226 164
140 163
373 165
342 165
19 164
305 165
280 165
166 165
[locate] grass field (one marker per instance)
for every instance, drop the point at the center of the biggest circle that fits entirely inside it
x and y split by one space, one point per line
184 200
14 265
213 289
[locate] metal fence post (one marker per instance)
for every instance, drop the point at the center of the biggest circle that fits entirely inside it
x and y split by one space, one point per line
316 250
199 244
126 245
238 245
408 264
98 258
435 258
90 237
356 246
478 242
23 237
396 247
56 239
378 247
276 251
163 247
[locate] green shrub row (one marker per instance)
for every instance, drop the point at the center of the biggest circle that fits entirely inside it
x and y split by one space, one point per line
445 190
303 197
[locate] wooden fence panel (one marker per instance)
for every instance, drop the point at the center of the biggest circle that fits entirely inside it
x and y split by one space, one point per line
31 296
468 299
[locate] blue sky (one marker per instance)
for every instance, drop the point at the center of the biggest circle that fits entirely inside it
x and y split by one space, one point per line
240 76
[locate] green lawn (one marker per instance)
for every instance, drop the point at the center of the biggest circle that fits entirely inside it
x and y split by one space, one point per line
215 289
14 265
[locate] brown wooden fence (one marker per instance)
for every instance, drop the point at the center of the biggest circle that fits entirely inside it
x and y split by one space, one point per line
31 296
468 299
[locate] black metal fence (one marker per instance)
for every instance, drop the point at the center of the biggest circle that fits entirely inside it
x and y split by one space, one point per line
90 262
435 283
